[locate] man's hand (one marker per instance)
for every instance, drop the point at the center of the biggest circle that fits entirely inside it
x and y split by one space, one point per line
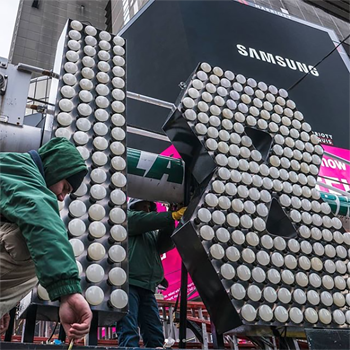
4 323
75 316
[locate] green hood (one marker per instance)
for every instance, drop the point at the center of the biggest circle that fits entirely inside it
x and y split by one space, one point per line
61 160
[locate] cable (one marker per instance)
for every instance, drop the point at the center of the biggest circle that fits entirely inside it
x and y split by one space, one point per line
306 74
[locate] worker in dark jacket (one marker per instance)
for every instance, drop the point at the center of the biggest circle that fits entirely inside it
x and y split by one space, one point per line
149 236
33 239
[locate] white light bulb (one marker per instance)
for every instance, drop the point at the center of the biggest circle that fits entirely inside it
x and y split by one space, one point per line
281 314
98 192
94 295
233 254
227 271
217 251
84 109
118 82
104 55
118 163
102 77
76 227
118 94
100 129
339 317
77 245
238 291
326 298
96 251
87 73
104 45
90 40
102 89
287 277
89 50
63 132
72 56
273 276
265 313
248 312
70 67
101 115
118 233
117 276
118 106
284 295
80 138
117 253
66 105
120 72
99 158
263 258
74 44
258 274
254 293
206 232
118 134
118 197
97 229
118 61
118 180
296 315
119 299
88 61
102 102
97 212
86 84
270 294
77 208
85 96
83 124
325 316
117 215
118 120
95 273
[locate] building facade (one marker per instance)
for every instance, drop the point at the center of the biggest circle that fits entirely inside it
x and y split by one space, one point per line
39 25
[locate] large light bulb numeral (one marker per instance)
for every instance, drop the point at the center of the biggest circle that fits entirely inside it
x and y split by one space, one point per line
262 238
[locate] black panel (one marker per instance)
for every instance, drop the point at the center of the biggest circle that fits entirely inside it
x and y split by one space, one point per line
208 284
171 37
328 339
197 159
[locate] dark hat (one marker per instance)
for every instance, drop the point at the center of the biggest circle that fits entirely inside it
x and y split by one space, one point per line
76 179
133 201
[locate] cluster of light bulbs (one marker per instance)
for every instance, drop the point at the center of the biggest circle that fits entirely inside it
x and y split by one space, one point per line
271 279
94 75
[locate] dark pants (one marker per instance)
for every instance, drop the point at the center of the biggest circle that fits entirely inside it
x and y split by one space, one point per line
143 313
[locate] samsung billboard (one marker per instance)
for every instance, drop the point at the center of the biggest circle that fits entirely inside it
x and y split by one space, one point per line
167 40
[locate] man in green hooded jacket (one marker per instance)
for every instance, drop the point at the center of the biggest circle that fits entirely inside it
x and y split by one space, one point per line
33 239
149 236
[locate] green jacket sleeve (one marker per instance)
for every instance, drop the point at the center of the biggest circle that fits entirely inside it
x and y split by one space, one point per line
140 222
164 241
27 202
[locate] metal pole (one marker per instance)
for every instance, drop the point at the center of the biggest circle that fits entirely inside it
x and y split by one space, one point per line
151 100
335 189
183 308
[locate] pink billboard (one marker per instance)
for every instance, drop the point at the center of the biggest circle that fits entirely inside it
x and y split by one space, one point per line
334 172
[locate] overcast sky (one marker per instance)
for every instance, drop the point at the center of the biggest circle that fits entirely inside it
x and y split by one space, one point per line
9 10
